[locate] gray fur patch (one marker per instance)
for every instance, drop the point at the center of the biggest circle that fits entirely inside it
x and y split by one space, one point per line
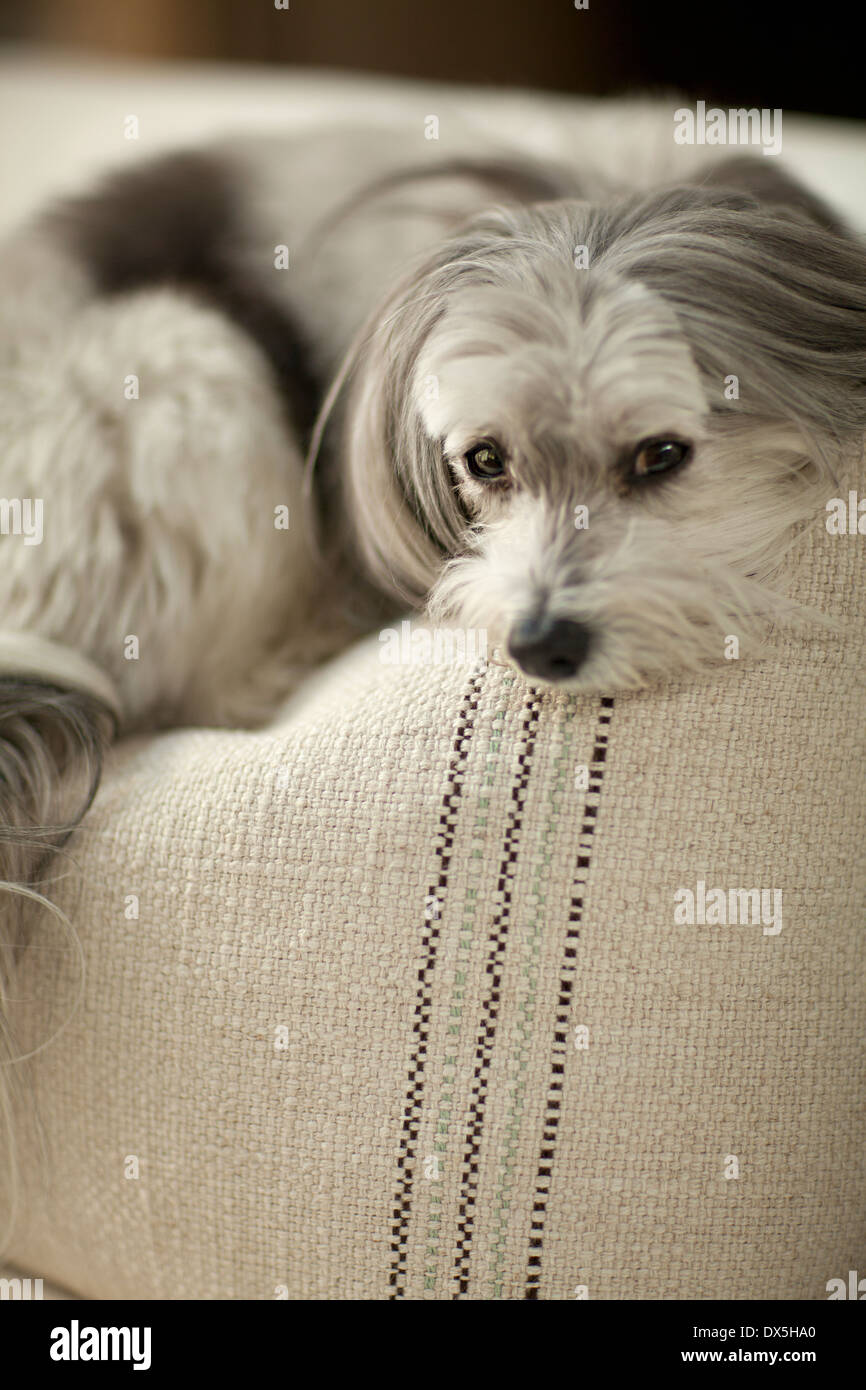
177 220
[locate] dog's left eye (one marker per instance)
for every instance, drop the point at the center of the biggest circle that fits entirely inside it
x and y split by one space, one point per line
485 462
659 456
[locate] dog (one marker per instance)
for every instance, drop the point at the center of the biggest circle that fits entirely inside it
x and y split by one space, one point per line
271 392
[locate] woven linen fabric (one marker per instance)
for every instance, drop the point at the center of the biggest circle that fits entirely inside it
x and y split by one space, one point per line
391 1000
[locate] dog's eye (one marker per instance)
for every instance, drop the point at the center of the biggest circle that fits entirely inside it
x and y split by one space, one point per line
659 456
485 462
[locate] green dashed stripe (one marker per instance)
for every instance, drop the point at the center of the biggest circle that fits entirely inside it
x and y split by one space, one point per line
529 970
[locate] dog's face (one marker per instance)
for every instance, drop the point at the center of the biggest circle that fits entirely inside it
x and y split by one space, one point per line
569 428
597 464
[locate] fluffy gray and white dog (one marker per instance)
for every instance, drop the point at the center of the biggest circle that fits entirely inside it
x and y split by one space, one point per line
463 358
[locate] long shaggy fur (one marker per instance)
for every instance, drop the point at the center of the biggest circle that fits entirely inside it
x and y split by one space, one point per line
52 745
498 335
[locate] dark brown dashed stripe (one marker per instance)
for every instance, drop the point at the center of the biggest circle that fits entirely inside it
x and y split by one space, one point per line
564 1000
430 940
490 1009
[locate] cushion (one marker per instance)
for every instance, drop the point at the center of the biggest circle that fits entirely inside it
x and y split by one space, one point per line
398 997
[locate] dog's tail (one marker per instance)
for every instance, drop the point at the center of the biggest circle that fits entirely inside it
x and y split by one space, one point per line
58 713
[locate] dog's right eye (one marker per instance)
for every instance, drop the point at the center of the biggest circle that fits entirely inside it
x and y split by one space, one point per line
656 456
485 462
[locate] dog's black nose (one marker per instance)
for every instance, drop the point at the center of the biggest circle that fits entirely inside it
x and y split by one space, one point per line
553 648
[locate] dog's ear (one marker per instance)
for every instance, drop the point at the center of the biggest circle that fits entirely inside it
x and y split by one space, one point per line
771 186
396 504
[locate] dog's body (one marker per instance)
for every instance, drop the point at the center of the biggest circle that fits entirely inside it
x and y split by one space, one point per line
168 343
162 367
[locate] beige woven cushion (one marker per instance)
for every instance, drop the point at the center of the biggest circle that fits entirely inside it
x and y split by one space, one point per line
342 1039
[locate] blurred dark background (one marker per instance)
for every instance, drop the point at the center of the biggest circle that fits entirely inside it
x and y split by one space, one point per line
798 57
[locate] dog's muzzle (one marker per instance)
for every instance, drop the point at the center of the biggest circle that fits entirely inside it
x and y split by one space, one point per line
552 648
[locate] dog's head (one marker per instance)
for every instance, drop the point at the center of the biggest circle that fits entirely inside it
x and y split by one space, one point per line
593 430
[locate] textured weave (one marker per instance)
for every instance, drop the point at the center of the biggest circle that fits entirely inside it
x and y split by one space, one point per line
407 877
